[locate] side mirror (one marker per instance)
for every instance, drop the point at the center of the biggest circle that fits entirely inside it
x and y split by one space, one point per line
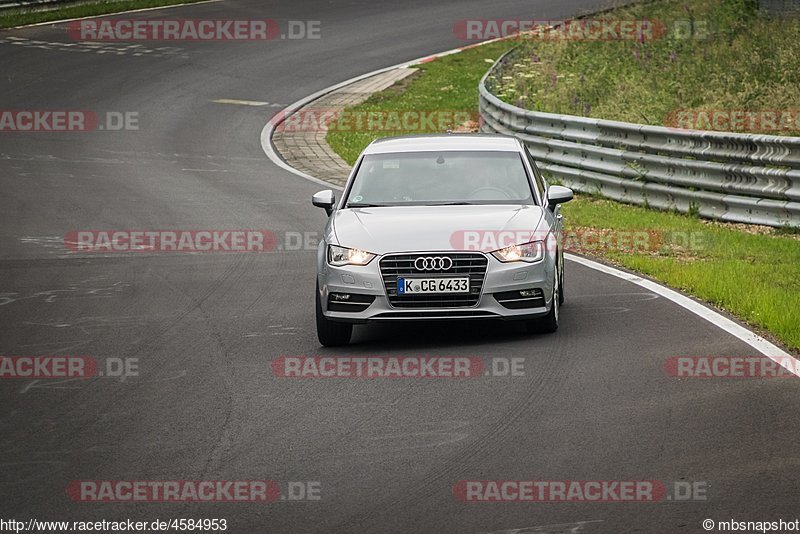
325 200
557 194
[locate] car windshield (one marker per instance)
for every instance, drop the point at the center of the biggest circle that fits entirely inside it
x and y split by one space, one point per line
440 178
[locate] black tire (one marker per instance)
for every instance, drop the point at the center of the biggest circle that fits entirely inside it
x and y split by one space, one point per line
330 333
548 323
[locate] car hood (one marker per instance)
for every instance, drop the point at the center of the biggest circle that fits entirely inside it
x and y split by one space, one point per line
427 228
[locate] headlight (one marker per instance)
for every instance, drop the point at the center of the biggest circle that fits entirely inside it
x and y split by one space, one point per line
529 252
338 256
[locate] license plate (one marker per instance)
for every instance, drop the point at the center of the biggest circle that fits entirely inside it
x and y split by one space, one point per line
424 286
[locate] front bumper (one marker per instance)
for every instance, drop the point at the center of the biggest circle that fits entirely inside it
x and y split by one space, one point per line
498 298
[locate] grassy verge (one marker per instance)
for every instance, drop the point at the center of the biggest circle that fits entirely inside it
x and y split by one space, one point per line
752 272
737 60
11 18
449 83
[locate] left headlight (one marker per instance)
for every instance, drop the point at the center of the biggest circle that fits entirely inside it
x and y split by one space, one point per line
528 252
338 256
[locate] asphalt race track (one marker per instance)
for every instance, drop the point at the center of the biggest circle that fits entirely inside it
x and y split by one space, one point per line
594 402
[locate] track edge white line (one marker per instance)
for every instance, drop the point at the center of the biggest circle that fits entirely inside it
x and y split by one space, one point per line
762 345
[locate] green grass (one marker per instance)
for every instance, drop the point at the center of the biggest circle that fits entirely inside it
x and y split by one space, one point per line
21 17
743 61
753 272
755 276
449 83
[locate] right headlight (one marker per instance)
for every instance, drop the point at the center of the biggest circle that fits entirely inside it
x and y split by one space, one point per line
338 256
527 252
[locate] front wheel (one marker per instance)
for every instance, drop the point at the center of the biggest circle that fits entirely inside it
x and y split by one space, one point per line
330 333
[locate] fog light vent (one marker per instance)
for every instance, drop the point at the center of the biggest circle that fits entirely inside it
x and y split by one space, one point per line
349 302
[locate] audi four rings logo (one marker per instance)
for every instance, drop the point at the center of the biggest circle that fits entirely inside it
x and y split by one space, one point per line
433 263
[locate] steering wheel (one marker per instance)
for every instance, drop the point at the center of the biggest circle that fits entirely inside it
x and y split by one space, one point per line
477 193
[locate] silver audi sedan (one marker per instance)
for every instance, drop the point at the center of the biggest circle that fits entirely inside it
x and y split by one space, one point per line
441 227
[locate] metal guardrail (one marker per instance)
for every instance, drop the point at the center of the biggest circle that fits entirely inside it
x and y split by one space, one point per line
730 177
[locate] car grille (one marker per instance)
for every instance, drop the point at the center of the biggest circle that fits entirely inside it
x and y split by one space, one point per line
400 265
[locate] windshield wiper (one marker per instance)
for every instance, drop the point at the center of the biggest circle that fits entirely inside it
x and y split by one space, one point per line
454 204
364 205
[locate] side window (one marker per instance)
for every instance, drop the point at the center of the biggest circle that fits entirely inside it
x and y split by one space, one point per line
537 176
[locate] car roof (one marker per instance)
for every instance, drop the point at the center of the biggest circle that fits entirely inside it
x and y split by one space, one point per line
423 143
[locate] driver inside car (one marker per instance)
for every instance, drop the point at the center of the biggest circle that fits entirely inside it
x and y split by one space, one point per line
481 184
